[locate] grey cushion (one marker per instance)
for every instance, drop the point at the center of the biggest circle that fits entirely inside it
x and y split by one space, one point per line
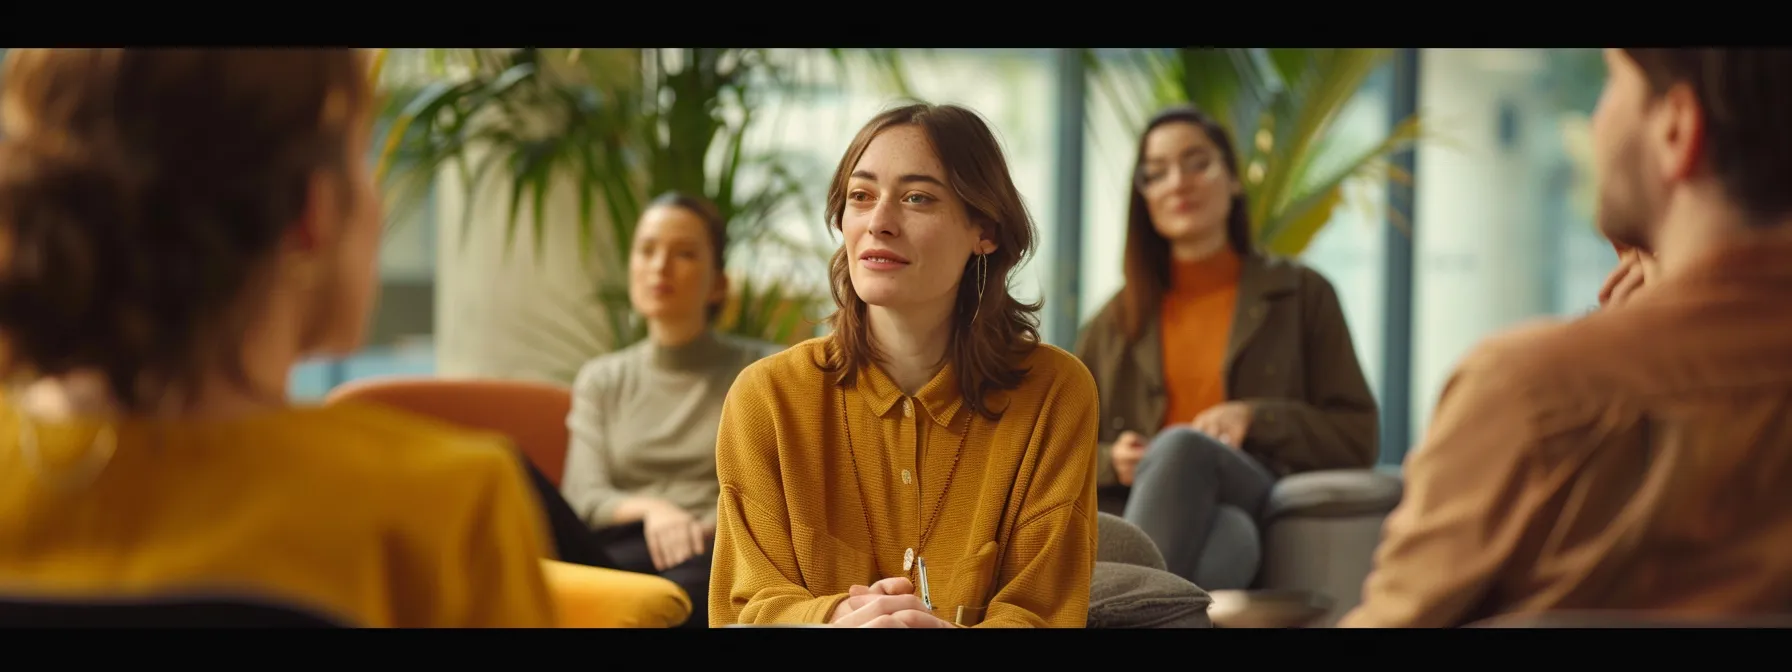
1121 541
1338 493
1130 596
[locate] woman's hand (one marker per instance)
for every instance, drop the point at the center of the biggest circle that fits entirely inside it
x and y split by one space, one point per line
1127 451
890 603
1227 422
673 535
885 611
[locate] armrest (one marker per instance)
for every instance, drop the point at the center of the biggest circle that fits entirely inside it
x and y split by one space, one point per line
1132 596
1121 541
1336 493
594 597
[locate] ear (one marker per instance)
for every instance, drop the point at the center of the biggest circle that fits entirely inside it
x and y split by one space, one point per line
985 246
1679 127
309 232
719 294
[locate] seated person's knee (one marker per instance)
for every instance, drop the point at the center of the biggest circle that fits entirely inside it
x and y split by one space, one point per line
1183 445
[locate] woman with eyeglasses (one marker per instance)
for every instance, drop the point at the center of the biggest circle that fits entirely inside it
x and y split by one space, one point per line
1221 369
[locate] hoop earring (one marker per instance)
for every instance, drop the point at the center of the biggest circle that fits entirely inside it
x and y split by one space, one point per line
98 457
982 279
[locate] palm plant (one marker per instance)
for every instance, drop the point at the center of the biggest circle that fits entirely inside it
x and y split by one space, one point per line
1279 105
616 126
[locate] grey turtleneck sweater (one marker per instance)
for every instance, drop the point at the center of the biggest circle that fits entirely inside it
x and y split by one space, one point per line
644 422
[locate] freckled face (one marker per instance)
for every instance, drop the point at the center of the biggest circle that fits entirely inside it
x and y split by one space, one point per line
908 235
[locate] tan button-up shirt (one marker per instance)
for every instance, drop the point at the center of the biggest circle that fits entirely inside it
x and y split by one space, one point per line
1637 458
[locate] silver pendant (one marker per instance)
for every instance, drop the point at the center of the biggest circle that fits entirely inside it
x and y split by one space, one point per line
908 559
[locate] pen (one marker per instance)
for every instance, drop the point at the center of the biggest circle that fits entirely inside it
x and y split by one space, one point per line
926 601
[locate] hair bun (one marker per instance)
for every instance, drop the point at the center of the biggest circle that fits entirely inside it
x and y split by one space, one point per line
71 293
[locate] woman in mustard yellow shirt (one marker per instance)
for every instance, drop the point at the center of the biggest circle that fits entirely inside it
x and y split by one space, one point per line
930 463
177 228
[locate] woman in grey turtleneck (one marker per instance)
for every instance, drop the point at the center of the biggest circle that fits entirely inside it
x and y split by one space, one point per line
641 467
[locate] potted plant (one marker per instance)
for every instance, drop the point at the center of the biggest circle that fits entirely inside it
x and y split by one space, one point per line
599 132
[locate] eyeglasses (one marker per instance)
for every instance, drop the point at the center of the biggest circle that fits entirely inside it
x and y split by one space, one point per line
1194 167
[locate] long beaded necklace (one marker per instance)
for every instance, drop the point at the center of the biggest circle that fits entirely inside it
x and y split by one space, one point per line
908 557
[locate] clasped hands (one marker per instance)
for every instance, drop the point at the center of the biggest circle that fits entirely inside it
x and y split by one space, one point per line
890 603
673 535
1227 423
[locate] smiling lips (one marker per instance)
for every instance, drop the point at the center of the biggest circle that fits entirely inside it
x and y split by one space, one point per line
882 260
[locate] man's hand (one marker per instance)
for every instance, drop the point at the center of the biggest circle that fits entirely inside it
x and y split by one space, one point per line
673 535
1227 422
1127 451
1634 269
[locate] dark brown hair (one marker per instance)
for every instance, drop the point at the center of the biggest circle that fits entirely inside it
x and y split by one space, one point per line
1147 260
1746 98
143 193
717 228
986 352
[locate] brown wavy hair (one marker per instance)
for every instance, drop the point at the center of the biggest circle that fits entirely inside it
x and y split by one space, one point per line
1147 260
986 352
144 194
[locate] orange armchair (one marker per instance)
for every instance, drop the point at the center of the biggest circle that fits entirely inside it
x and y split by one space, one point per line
533 415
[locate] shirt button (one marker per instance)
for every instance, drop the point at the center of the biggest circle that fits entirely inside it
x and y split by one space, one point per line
908 409
905 477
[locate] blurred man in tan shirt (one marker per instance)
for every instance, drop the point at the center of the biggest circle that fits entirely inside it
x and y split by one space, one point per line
1638 458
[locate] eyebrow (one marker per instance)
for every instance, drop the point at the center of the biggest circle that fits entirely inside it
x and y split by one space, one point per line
1192 151
929 179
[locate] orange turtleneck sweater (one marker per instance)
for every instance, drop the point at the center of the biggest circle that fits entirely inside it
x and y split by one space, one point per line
1197 325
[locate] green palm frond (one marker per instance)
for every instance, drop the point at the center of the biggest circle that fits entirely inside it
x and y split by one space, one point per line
616 126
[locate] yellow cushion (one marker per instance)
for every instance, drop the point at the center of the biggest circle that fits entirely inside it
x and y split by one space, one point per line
594 597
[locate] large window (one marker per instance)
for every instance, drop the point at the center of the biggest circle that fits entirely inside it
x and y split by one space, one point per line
400 331
1504 203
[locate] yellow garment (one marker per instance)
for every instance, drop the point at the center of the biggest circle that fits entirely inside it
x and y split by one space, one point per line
595 597
369 516
1014 541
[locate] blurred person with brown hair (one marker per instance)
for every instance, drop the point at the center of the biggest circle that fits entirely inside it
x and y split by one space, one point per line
930 463
178 227
1633 459
1221 368
641 467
